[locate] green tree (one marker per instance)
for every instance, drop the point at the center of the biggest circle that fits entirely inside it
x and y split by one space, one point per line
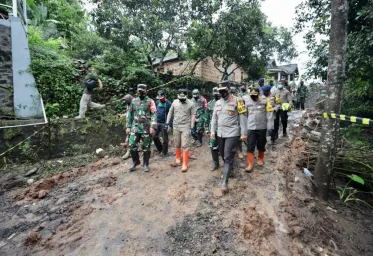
313 16
240 35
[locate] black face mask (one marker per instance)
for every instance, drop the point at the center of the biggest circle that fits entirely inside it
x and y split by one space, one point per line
224 94
243 90
183 100
266 93
142 94
217 96
196 97
254 97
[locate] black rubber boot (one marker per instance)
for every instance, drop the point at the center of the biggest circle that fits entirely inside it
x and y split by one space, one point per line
231 171
135 160
146 161
215 160
164 149
158 144
226 173
200 136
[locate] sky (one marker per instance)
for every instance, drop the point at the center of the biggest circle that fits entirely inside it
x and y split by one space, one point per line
282 13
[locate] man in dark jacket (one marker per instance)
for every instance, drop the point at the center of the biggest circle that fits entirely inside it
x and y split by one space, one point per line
163 107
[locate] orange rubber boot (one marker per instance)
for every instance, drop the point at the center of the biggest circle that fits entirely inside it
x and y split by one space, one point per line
250 162
178 156
185 161
261 158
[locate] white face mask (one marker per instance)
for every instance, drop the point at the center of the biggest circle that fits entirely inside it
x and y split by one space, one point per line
280 86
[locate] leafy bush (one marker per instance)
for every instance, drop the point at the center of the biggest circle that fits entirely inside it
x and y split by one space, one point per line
54 74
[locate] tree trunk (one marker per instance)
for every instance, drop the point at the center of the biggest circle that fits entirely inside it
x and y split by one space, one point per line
336 72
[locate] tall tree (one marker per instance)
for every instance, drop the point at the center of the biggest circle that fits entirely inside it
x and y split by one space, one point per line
336 76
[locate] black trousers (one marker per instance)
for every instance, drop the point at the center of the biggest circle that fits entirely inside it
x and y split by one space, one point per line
228 148
258 139
284 120
161 130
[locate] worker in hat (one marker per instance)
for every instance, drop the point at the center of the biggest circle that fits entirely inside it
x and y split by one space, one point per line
234 91
302 93
163 107
183 112
257 120
228 125
286 104
200 116
142 121
243 90
91 82
213 143
127 100
272 108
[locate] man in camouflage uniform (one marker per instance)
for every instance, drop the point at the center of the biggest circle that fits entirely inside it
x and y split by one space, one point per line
200 104
229 120
302 94
243 90
141 122
213 143
127 99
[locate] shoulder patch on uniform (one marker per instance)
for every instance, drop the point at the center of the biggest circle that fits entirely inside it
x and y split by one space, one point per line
240 106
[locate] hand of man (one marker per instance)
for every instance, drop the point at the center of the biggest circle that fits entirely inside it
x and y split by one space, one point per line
207 132
151 131
212 136
243 138
128 130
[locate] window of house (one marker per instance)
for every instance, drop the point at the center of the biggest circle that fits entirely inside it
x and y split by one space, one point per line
162 69
181 64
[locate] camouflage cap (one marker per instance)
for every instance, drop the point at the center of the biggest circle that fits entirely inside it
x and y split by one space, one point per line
142 87
195 92
215 90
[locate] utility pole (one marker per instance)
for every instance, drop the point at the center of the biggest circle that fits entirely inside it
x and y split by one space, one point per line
333 100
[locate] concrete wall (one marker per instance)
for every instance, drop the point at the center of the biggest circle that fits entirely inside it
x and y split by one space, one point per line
6 72
65 138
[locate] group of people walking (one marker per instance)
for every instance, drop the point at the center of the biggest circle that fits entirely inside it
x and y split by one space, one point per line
232 118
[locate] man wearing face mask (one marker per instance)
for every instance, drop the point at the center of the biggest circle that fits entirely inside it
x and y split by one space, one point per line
163 106
285 106
183 112
213 143
127 99
259 117
243 90
200 116
229 120
141 124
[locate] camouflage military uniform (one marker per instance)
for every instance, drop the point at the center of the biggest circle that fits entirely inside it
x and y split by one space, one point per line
210 110
200 114
302 95
141 118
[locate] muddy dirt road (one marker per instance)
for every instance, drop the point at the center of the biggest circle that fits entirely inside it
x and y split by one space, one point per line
102 209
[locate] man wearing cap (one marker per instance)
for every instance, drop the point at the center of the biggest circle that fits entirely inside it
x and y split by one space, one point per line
243 90
259 111
229 120
200 116
285 106
213 143
163 107
302 94
127 100
91 81
142 121
183 112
